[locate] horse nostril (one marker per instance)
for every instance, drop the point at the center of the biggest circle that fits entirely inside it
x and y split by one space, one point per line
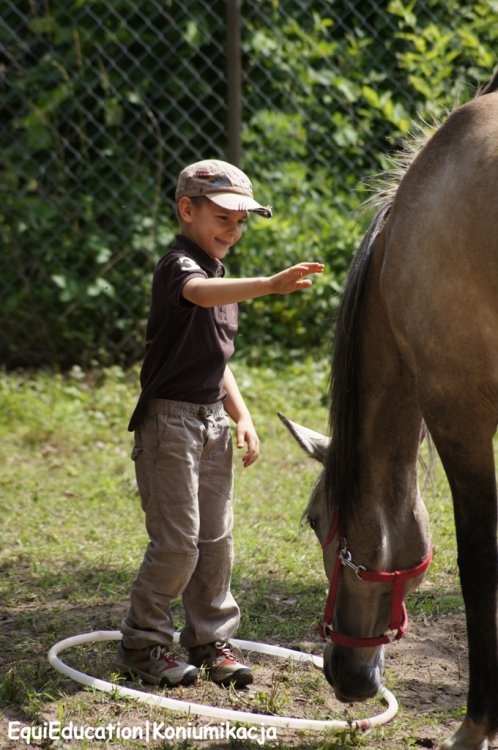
351 679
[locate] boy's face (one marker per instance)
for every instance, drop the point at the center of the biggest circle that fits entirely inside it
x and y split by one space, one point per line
212 228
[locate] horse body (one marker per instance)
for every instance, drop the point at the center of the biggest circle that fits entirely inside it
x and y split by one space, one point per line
439 284
416 344
439 276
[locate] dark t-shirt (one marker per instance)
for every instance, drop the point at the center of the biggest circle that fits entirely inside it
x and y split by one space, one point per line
187 346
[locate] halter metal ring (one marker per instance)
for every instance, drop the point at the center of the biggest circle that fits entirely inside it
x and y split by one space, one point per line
345 558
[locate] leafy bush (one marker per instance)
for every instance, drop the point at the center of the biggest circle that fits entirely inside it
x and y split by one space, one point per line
342 96
103 105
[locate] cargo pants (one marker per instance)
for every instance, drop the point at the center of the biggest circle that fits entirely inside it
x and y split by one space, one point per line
183 465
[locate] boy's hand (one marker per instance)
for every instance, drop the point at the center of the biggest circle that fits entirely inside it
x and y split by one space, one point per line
292 278
246 434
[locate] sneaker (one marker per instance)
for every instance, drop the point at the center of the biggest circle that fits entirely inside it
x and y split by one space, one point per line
221 664
156 665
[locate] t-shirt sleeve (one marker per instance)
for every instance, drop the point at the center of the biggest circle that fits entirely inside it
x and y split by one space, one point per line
177 270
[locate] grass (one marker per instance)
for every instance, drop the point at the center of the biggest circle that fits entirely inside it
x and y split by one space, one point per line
73 537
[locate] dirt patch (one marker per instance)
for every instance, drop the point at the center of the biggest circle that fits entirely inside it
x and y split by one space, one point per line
426 671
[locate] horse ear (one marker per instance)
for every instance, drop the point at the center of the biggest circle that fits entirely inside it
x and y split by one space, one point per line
315 444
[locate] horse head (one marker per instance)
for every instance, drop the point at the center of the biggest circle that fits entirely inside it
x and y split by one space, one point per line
362 605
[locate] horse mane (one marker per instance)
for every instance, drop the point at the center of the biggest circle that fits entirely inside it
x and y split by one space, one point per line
342 458
341 465
490 87
383 186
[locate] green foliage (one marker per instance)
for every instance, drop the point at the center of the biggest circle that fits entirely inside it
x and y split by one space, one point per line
91 160
103 105
342 95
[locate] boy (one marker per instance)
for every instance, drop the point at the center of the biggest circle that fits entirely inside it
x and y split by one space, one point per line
182 450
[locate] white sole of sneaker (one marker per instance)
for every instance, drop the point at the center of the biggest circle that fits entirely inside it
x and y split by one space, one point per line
188 679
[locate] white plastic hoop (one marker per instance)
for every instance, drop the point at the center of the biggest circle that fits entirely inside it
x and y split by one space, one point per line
212 711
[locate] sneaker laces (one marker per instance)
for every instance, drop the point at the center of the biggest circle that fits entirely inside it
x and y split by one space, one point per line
225 650
160 652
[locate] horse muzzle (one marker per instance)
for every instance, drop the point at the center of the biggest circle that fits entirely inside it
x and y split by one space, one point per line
354 675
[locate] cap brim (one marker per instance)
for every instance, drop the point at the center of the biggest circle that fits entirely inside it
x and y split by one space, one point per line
236 202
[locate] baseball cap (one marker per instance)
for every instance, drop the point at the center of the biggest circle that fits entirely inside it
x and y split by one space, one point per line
221 182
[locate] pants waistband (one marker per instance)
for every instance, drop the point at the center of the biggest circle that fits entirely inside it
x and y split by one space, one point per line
165 406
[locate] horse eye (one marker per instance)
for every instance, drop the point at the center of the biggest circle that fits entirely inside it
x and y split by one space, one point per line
312 523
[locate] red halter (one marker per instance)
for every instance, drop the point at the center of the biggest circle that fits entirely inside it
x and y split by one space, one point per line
399 615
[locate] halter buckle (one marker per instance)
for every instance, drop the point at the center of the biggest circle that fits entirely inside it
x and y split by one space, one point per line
346 560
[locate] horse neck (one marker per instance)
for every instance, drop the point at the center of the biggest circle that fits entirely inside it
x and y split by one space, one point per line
387 503
390 421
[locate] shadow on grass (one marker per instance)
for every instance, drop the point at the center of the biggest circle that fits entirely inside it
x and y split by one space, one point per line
47 606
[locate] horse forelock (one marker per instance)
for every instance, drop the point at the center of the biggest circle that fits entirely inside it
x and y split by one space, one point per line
341 467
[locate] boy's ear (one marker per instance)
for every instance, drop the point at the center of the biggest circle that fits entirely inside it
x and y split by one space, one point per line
185 208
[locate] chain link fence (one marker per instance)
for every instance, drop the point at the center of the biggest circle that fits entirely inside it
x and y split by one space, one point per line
103 103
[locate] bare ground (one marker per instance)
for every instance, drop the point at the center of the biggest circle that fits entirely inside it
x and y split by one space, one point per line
427 672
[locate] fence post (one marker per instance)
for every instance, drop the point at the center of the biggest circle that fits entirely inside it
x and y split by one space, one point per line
234 82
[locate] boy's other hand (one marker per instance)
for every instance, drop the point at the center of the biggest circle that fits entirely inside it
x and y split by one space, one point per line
292 279
246 435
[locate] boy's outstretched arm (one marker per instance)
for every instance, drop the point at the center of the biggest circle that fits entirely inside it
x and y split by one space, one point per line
214 292
236 408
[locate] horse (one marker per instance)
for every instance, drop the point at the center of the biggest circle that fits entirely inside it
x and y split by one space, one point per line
416 351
